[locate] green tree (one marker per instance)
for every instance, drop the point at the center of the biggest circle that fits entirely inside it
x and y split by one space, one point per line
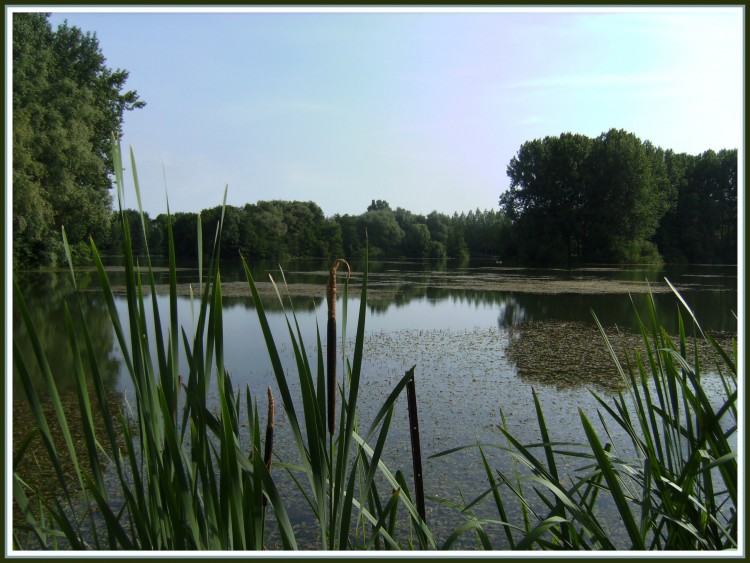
575 199
231 230
701 223
669 235
417 241
484 232
264 230
455 246
439 226
384 233
379 205
66 106
331 235
546 198
138 241
185 232
625 197
352 239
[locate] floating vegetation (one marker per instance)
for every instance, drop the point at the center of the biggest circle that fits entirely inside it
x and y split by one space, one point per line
389 284
570 354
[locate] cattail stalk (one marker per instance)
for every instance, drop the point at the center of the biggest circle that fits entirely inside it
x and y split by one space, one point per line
416 450
331 341
269 437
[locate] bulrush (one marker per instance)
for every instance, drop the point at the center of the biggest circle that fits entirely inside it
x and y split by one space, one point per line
331 340
269 432
269 437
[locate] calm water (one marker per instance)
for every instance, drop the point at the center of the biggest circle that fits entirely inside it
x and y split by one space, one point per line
457 336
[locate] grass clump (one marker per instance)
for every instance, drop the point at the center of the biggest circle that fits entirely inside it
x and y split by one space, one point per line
182 480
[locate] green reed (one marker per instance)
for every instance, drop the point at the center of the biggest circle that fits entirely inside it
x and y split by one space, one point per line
337 462
183 480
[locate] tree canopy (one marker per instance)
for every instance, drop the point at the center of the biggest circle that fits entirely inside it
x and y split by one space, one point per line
67 105
295 229
574 199
700 225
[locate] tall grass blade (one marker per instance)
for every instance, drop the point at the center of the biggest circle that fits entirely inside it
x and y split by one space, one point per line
416 450
613 482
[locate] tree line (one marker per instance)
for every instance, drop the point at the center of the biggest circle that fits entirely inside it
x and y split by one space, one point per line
572 199
294 229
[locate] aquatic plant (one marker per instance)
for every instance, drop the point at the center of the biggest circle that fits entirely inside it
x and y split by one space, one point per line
182 480
672 479
335 458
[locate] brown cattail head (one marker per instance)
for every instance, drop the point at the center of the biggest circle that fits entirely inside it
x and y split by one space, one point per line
331 286
269 438
269 431
331 341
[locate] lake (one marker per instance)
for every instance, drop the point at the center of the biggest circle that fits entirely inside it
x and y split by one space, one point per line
480 334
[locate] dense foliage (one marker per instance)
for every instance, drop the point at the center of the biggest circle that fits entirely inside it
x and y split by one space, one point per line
66 105
701 224
574 199
294 229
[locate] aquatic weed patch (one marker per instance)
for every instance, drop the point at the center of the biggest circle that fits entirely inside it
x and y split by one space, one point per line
570 354
389 285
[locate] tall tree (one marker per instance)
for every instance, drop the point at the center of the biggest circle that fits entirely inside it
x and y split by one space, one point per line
701 224
546 197
626 196
383 231
578 199
67 104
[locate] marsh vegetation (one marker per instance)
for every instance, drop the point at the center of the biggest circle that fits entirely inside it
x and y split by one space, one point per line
179 462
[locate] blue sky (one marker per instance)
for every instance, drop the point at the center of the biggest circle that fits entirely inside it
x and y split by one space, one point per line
424 110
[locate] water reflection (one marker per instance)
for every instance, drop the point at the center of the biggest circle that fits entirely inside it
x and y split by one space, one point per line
402 295
519 294
713 309
46 296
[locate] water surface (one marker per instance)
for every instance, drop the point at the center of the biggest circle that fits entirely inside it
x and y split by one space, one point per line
455 324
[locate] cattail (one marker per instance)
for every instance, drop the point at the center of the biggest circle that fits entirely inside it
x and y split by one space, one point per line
269 437
177 399
331 341
416 450
269 432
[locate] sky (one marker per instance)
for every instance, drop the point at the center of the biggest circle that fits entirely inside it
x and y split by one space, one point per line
422 109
